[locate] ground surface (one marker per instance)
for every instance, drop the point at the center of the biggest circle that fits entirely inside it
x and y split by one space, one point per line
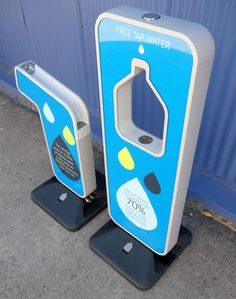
40 259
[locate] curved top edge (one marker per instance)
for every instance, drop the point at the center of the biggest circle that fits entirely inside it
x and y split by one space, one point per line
196 36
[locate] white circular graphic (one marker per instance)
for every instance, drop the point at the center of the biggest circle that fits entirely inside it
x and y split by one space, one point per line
136 206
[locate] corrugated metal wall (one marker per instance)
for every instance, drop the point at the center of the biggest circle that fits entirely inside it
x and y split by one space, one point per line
59 36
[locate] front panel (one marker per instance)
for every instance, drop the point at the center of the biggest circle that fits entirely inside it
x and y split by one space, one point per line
142 169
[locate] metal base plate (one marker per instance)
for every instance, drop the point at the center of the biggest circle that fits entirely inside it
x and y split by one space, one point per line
73 212
140 265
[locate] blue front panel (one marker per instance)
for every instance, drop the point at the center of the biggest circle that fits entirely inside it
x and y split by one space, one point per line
135 202
59 131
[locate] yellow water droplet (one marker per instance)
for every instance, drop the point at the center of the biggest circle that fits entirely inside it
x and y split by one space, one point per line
68 136
126 159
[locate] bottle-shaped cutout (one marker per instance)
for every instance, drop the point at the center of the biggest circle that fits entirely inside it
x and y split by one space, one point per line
126 126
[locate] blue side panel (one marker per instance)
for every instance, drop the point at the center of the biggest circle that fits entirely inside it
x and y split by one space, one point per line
59 133
59 36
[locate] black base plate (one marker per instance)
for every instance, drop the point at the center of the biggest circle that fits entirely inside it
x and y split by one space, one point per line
141 266
73 212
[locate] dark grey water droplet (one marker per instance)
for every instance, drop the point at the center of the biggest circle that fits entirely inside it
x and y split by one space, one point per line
64 159
152 183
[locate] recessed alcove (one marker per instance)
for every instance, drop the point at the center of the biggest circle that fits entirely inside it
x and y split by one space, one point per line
140 113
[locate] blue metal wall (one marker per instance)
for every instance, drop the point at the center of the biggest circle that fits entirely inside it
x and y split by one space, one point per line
59 36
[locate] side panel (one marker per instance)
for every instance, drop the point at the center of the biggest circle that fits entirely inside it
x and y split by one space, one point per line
59 132
133 175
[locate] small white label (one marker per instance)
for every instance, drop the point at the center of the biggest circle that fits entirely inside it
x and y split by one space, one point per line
128 247
63 196
136 206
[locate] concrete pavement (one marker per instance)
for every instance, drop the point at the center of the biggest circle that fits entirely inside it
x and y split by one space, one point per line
40 259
